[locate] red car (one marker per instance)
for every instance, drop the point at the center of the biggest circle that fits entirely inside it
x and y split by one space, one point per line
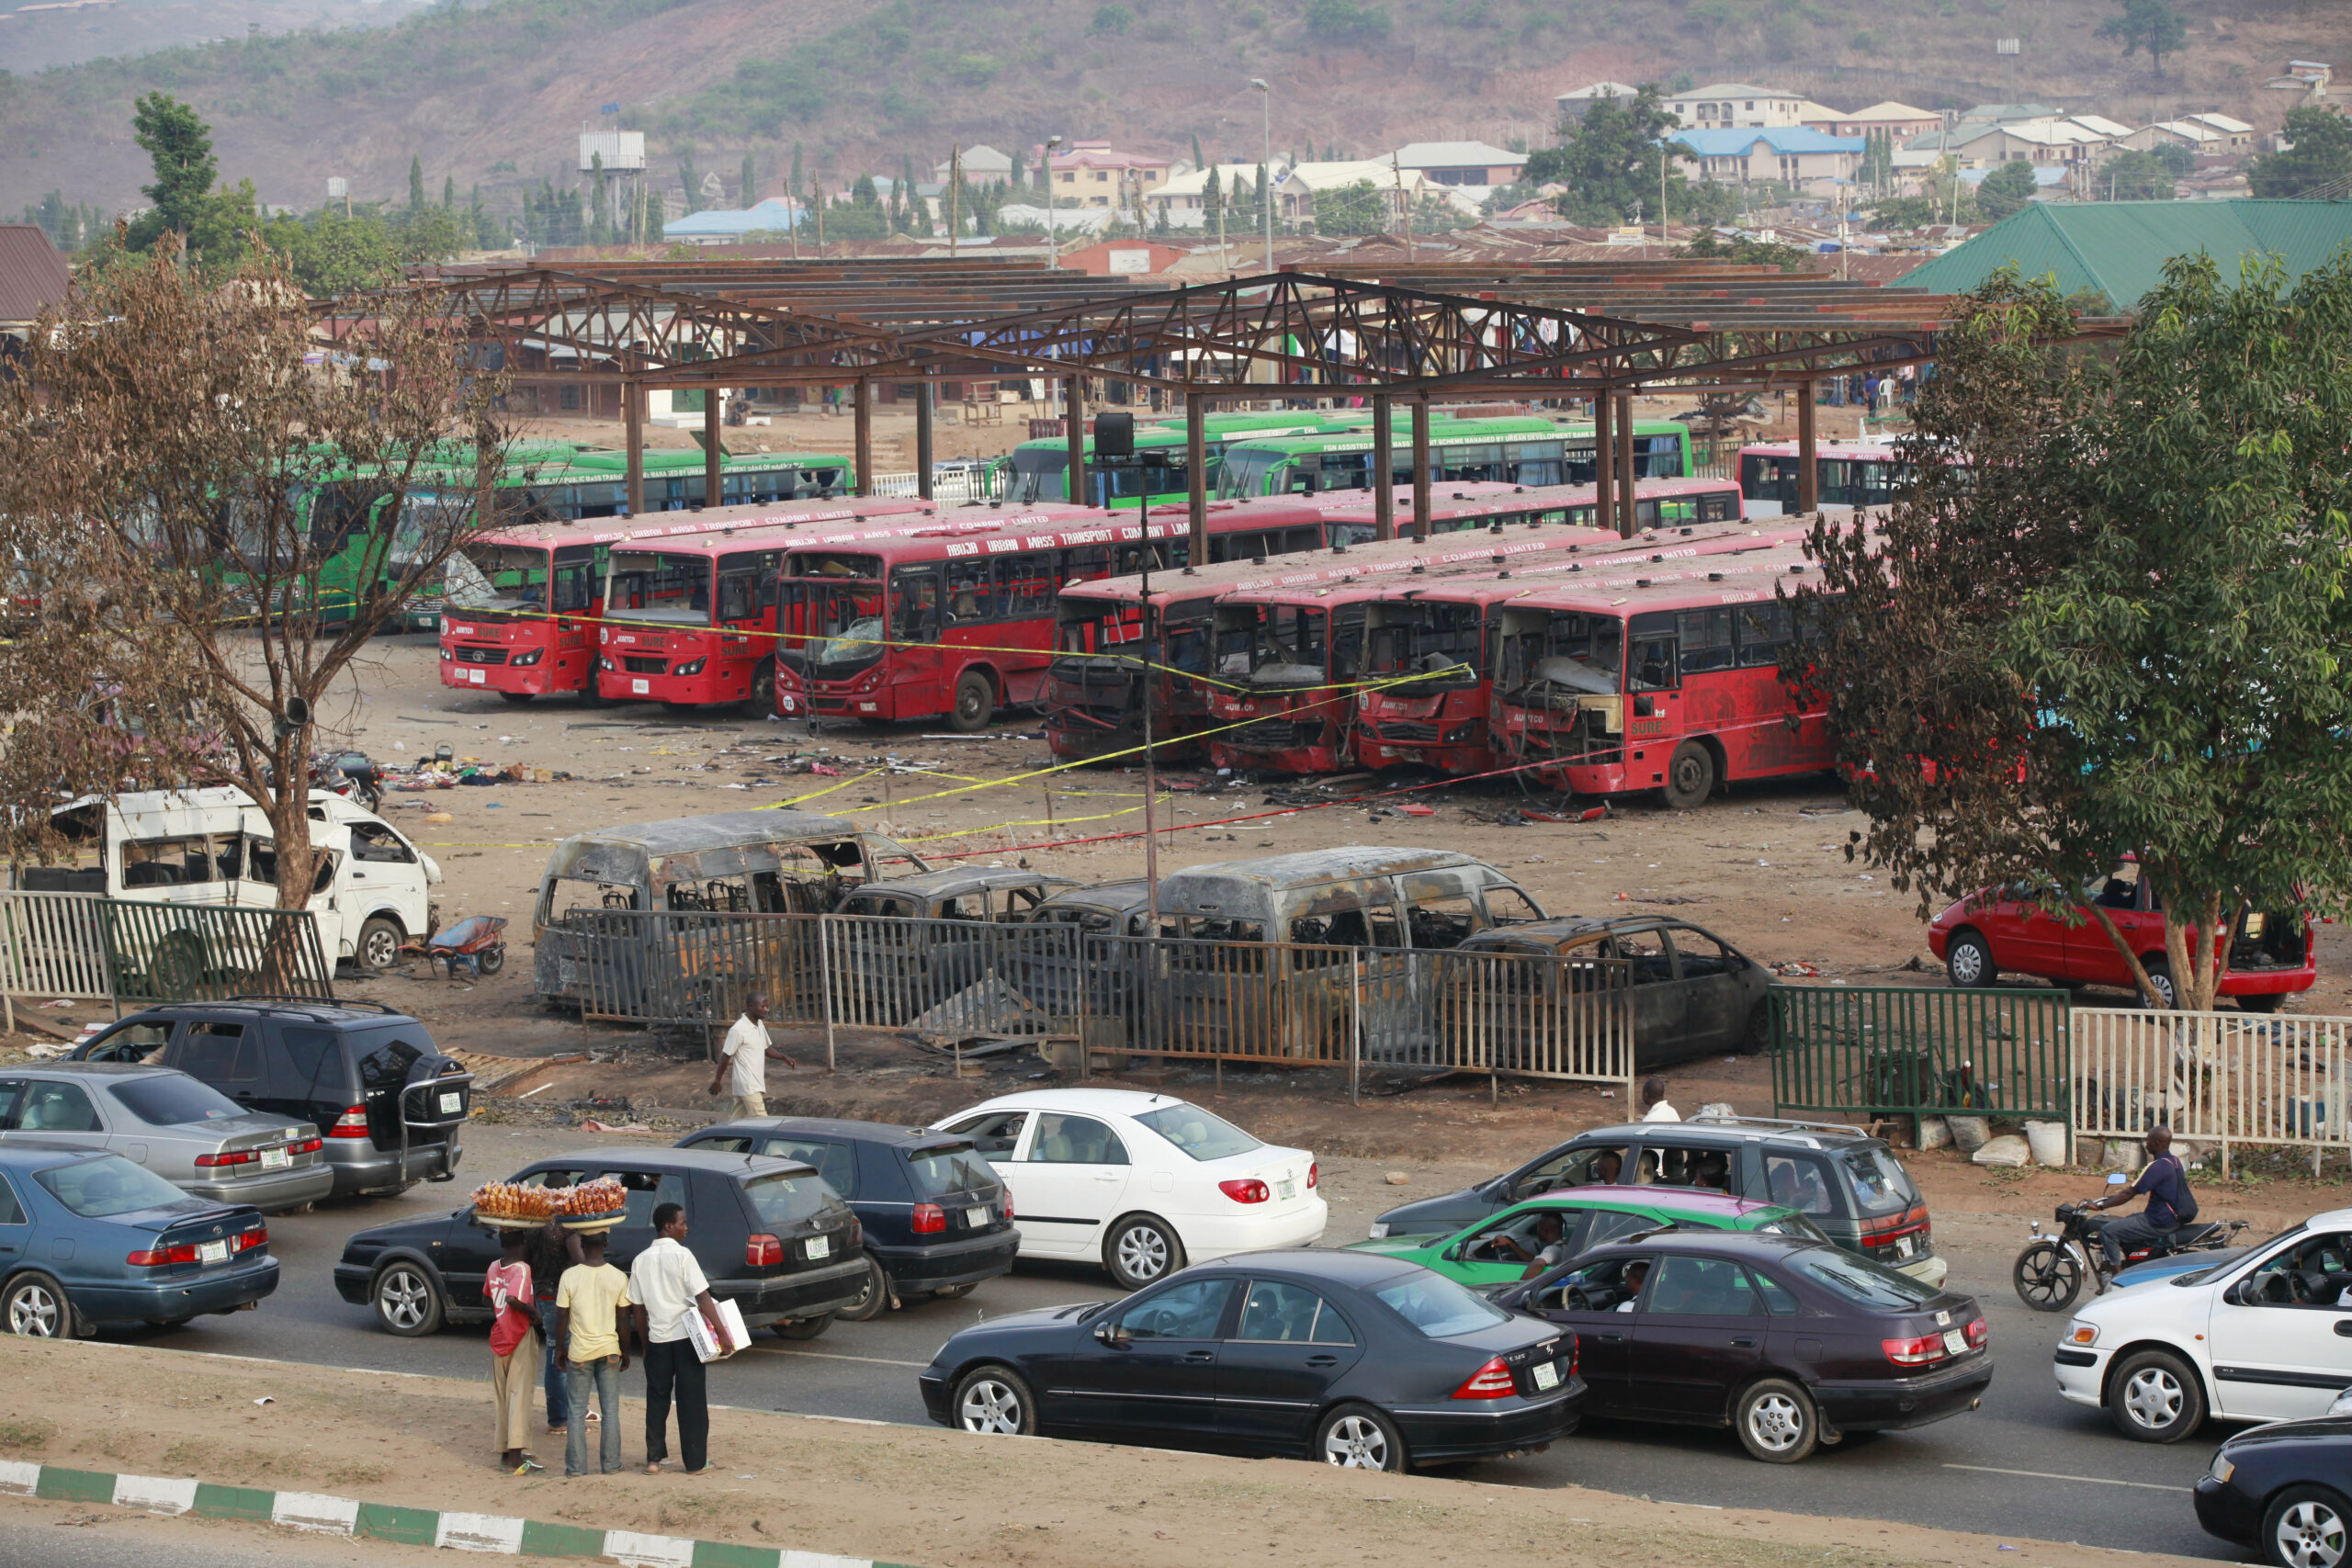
1988 932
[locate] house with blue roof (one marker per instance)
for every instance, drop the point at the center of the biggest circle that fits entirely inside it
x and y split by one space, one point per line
720 226
1787 155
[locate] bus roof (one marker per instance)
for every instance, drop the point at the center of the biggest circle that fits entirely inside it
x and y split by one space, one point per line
1052 525
666 460
1695 585
855 517
1494 496
1449 432
1865 451
1664 549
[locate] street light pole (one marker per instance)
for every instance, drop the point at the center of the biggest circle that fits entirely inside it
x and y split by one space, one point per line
1266 167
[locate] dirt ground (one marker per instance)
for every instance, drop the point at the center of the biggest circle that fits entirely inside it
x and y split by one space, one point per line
896 1494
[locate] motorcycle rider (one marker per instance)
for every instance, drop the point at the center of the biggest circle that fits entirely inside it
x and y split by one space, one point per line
2170 1204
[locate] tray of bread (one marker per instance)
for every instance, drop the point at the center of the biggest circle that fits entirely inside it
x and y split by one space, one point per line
591 1206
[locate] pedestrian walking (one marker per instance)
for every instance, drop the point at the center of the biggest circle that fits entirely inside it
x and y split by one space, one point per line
666 1288
1654 1105
552 1250
593 1322
514 1350
743 1059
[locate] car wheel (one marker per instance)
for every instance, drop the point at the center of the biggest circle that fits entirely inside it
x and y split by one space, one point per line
2153 1398
873 1300
2160 979
406 1302
975 703
2305 1528
804 1328
995 1400
378 947
1141 1249
2048 1277
1969 962
34 1305
1357 1437
1689 776
1775 1422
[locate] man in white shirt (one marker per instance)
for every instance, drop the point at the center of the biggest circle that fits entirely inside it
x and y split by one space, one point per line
743 1059
666 1287
1654 1105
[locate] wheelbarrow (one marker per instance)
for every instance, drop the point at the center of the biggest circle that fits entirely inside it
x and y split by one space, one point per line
478 942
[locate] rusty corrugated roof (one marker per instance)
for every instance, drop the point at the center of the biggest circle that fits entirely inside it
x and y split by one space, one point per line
32 275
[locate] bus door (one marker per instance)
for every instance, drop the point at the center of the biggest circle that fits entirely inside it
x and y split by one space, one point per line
746 603
916 621
1654 681
572 597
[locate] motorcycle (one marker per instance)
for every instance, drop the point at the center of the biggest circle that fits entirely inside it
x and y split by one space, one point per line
2051 1271
351 775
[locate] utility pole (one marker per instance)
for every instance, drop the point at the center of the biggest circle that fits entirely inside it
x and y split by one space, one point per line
1052 240
955 194
1403 207
1265 189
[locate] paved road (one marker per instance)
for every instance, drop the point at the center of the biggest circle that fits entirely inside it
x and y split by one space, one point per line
2027 1461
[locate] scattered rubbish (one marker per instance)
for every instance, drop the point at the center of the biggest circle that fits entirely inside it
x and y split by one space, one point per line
265 1399
984 1018
528 1092
590 1125
439 816
1399 1178
59 1002
1414 808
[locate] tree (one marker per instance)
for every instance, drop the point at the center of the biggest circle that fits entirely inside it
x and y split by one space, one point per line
1358 208
180 145
2175 159
746 182
1347 21
1198 161
2319 152
1111 19
449 192
1610 161
1712 247
2006 190
417 181
2083 634
2133 176
161 463
2152 25
688 178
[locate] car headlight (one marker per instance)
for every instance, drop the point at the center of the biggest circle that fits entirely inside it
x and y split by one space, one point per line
1380 1230
2223 1468
2082 1333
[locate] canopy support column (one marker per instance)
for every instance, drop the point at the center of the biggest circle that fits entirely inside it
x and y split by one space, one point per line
713 492
1808 465
633 440
1196 479
1421 469
864 423
1604 461
1628 523
1074 432
925 395
1384 469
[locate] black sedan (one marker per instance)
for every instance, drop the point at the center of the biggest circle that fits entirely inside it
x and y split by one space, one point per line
1787 1341
2285 1490
1361 1361
770 1235
937 1221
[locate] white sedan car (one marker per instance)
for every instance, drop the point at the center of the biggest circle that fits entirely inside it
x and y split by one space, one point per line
2262 1336
1145 1182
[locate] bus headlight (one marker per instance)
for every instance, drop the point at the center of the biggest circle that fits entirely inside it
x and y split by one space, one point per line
531 657
692 666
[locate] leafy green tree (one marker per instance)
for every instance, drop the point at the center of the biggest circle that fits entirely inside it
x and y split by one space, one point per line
746 181
2152 25
2319 152
417 181
1198 161
2006 190
1610 161
2134 176
180 147
690 179
1111 19
449 191
1347 21
2136 648
1358 208
2175 159
332 256
1713 247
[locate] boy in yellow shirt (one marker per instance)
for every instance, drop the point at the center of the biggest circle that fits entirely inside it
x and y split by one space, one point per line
591 1317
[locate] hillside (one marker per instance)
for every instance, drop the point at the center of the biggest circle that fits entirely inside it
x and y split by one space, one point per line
497 94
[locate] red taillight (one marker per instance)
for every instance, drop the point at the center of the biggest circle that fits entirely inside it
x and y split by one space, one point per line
764 1251
162 1256
1492 1380
1007 1205
1978 1333
930 1219
856 1234
352 1123
1894 1227
1245 1189
307 1146
1914 1352
230 1156
1314 1175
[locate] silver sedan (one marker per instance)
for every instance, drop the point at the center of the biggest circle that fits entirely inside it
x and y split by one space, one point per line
186 1132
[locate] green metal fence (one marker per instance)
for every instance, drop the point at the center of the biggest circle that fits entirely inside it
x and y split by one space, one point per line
1862 1050
177 952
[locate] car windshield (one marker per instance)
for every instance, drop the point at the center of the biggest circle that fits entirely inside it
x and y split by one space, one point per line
1439 1307
948 1168
1793 1225
1863 1282
175 1102
788 1199
1200 1133
1881 1184
99 1189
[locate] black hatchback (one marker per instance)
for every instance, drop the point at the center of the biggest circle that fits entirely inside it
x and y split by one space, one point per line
937 1221
387 1101
1789 1341
770 1235
2286 1490
1363 1362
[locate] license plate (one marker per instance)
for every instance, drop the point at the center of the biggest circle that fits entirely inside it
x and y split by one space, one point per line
212 1252
276 1159
478 677
975 1218
638 688
1955 1341
1286 1189
450 1103
1547 1374
821 1246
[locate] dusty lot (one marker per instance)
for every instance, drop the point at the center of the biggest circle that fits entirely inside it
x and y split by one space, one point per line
899 1493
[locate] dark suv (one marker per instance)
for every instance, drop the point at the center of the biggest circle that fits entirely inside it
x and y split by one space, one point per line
1843 1179
770 1235
384 1100
936 1218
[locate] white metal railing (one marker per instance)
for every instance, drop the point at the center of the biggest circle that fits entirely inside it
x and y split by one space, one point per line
53 945
2224 1078
963 484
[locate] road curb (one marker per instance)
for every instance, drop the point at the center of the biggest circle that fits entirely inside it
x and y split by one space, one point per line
317 1514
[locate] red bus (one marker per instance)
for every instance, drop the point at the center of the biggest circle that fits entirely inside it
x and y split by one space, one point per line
1445 632
1093 701
522 605
1672 685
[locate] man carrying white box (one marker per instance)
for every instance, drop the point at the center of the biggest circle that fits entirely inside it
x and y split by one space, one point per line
670 1295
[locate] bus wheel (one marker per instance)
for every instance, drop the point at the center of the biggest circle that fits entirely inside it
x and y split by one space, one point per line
975 703
760 698
1689 776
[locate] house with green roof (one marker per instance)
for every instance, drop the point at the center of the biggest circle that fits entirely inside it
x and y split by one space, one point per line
2120 247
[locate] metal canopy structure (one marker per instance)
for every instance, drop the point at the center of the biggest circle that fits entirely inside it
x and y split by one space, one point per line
1581 330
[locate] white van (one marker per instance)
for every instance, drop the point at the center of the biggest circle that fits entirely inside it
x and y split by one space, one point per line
214 847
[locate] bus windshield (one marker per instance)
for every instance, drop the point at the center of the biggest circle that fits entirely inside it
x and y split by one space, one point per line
1245 470
428 518
486 579
840 619
1039 473
647 585
1274 644
1580 652
1097 626
1439 643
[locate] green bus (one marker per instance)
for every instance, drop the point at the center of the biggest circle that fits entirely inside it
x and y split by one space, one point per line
1515 449
1040 469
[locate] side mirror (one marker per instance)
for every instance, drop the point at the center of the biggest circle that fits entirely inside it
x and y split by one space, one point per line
2117 1178
1108 1333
